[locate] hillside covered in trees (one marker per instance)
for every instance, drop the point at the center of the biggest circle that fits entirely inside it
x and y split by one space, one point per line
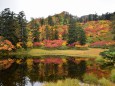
97 28
57 30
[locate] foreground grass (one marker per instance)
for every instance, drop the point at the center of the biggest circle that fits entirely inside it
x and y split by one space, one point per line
76 82
66 82
92 52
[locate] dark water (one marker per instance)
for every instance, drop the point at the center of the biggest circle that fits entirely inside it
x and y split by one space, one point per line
34 72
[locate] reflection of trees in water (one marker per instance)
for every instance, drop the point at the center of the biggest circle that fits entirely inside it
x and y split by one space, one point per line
33 74
53 72
14 76
48 72
81 68
6 63
39 72
72 67
75 69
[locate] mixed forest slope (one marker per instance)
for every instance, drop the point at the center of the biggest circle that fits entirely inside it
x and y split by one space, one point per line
56 27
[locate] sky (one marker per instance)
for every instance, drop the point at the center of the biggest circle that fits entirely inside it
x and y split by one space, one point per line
44 8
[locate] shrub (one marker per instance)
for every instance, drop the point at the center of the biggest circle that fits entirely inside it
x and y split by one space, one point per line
53 43
100 60
90 78
29 44
64 43
109 55
37 44
5 45
72 45
112 76
104 82
103 44
19 45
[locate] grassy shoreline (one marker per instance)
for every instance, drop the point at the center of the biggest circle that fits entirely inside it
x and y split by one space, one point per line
91 52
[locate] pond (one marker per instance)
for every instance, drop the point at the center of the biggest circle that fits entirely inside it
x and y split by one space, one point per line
38 71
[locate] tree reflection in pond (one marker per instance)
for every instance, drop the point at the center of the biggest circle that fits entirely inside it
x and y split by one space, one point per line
25 71
76 69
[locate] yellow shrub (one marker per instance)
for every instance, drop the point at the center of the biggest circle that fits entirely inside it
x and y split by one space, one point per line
29 44
18 45
64 43
42 43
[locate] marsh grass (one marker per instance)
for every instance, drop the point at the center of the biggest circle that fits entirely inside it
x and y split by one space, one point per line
66 82
105 82
90 79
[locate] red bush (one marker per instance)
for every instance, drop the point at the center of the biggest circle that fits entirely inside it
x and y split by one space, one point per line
102 43
37 44
53 43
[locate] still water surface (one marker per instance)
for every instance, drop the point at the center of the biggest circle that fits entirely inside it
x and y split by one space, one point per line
37 71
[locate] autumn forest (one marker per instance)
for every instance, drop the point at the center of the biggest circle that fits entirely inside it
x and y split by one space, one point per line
64 43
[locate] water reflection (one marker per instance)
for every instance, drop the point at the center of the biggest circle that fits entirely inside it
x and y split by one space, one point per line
76 69
33 72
